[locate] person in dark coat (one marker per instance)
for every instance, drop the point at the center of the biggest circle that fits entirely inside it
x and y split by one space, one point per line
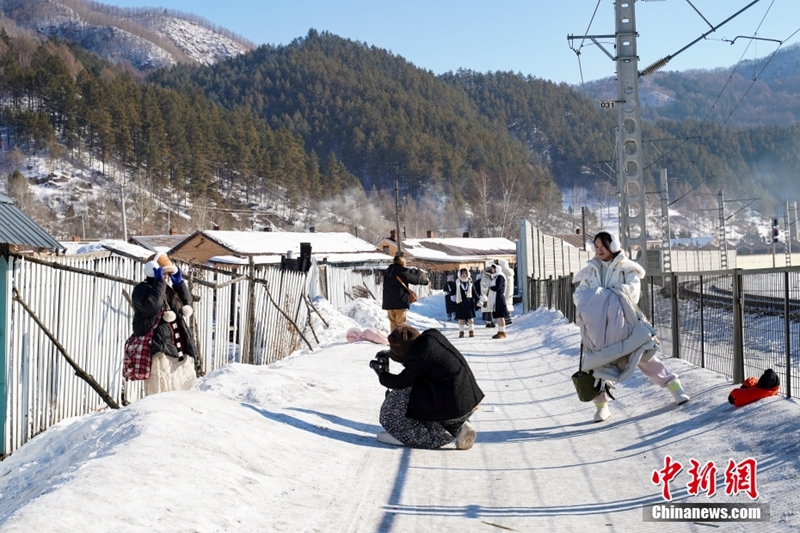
466 299
497 301
449 296
395 295
172 349
430 401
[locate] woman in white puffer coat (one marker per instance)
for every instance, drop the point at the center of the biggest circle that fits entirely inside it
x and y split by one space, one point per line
610 270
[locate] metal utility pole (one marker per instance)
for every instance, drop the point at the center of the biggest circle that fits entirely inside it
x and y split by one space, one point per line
723 244
629 145
629 167
397 215
666 232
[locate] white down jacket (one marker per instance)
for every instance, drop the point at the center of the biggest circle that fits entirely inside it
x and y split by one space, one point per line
615 333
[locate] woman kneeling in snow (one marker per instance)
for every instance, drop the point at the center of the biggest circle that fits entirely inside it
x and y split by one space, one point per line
431 400
616 337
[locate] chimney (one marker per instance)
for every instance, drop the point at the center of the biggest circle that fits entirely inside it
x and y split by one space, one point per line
465 235
393 235
173 231
577 231
215 227
429 234
75 238
312 229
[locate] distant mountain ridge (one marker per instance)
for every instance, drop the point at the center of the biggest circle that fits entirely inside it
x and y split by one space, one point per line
147 38
762 92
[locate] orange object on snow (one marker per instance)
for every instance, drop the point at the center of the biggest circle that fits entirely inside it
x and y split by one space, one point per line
749 392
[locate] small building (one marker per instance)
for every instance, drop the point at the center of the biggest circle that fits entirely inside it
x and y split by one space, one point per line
452 254
158 243
268 247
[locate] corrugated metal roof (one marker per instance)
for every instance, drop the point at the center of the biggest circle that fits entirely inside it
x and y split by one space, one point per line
18 228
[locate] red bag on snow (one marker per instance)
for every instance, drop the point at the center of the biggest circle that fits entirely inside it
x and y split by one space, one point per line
136 364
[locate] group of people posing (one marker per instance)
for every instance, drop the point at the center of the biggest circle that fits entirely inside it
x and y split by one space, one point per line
430 402
491 294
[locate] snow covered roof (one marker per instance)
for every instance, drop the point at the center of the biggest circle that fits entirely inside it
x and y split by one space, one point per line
158 243
460 248
358 257
247 243
18 228
117 246
267 247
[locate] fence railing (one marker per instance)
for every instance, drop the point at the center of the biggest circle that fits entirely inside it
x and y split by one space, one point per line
735 322
251 314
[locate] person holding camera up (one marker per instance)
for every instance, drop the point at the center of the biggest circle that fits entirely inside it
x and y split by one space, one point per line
429 403
396 290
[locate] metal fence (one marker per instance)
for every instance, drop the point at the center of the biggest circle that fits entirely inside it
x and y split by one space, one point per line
735 322
250 314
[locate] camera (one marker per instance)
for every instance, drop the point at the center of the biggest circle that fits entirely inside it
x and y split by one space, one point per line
381 362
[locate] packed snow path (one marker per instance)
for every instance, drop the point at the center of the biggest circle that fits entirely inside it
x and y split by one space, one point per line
291 447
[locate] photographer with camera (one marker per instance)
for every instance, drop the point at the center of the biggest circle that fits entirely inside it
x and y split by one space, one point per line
430 401
396 293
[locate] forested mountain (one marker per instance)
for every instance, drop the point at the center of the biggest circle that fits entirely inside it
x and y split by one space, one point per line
384 118
144 38
759 92
387 119
163 141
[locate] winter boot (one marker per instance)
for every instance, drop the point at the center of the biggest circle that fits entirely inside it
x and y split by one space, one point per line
461 334
471 333
678 393
490 324
602 412
499 335
466 436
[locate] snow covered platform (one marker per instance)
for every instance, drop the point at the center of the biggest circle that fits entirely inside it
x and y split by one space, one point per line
291 447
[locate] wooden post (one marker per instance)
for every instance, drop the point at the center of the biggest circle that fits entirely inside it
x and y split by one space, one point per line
249 351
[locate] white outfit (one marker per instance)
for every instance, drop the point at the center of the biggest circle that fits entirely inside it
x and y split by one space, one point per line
169 374
616 336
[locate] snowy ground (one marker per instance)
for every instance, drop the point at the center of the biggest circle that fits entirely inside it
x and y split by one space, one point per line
291 447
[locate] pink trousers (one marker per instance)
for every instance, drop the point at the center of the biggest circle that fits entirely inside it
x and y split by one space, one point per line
655 371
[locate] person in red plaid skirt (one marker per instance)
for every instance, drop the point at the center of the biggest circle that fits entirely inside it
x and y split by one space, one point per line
172 348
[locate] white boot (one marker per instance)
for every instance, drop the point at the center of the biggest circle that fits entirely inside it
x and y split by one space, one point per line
386 438
466 436
602 412
678 393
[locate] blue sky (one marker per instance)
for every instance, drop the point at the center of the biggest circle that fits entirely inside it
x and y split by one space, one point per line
527 36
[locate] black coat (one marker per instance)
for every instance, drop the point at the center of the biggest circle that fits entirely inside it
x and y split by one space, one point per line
442 384
499 287
469 301
395 296
148 299
449 290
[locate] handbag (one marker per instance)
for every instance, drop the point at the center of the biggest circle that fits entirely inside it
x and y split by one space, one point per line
136 363
586 385
412 296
